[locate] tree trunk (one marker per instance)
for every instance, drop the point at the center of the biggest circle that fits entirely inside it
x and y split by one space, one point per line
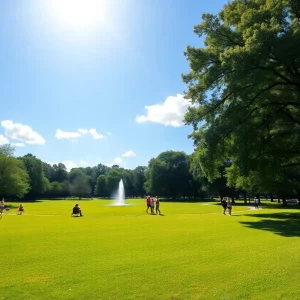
272 198
245 197
284 203
232 200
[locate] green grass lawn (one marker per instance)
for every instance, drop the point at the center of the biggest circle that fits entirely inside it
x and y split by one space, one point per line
193 252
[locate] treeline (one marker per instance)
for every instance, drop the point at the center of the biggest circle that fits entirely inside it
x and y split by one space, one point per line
172 175
167 175
30 178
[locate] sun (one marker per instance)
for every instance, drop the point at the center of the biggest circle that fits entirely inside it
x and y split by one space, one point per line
78 14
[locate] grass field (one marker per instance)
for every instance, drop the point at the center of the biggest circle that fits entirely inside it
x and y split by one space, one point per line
193 252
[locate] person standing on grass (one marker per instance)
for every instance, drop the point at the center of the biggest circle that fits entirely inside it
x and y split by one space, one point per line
20 209
224 204
256 202
152 206
148 202
229 205
2 205
157 210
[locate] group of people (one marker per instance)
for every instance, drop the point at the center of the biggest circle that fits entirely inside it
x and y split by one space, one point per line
3 207
226 203
151 202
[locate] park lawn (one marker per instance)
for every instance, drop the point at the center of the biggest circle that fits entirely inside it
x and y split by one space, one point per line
193 252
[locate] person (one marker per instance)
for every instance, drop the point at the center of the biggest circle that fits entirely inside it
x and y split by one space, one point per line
256 202
2 205
152 206
224 204
157 210
77 210
229 205
20 209
148 201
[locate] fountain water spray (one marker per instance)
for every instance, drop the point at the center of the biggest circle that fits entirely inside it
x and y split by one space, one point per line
120 199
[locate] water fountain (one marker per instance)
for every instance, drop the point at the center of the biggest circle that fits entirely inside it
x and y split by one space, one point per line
120 198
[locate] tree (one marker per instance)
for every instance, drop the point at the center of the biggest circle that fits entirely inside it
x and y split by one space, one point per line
55 189
168 174
38 182
139 179
101 189
100 170
65 189
113 177
80 186
48 171
60 172
14 180
245 89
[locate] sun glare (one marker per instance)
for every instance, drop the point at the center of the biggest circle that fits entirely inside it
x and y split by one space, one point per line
78 14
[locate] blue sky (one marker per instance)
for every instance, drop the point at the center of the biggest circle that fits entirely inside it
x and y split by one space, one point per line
75 78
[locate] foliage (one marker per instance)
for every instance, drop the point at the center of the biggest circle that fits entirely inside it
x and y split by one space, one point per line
245 89
14 180
80 185
168 174
38 182
101 189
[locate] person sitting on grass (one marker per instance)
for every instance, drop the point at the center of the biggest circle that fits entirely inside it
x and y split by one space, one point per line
20 209
77 210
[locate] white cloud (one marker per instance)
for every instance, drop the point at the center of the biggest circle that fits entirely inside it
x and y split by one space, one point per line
83 162
23 133
68 135
108 133
129 154
74 135
169 113
68 163
118 160
3 140
95 134
82 131
110 165
18 144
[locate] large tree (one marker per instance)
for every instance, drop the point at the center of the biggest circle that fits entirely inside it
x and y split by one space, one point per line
139 178
38 181
113 177
14 179
80 185
60 172
245 89
101 189
168 174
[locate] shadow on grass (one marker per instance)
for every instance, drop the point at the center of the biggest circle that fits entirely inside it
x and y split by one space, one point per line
284 224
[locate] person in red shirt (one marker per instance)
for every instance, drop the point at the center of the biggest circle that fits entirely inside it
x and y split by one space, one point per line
148 202
21 209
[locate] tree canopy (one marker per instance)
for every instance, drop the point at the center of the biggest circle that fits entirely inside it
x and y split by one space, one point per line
244 85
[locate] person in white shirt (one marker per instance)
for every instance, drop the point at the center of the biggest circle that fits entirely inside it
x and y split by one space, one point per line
256 202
